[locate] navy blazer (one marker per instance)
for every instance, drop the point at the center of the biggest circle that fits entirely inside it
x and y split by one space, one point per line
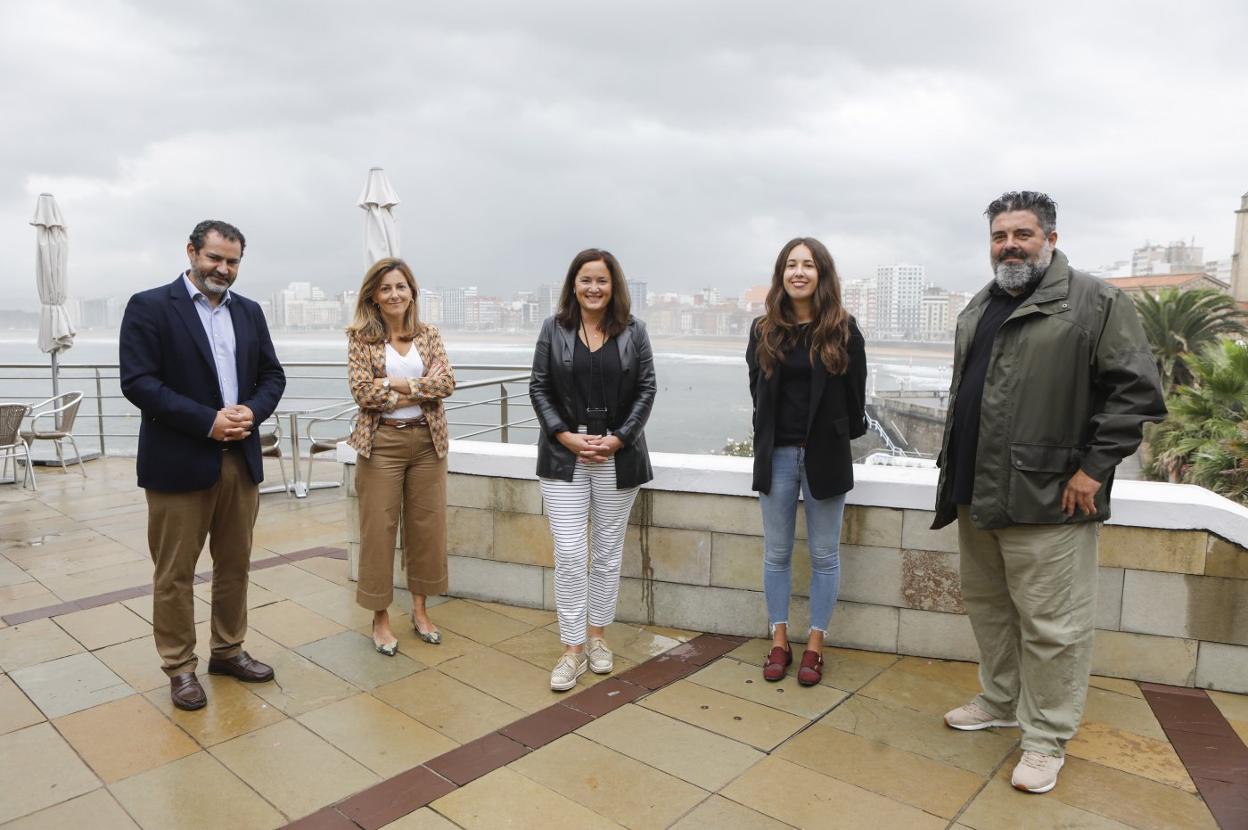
167 371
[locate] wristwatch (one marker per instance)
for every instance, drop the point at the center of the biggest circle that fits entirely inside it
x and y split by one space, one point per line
385 384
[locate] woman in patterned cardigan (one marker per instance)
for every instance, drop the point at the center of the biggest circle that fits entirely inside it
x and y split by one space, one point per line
399 374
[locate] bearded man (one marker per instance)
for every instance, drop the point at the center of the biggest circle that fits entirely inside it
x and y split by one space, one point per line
197 359
1053 381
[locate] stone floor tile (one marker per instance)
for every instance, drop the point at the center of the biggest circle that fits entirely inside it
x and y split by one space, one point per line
354 658
702 758
70 684
293 768
1233 707
39 769
97 810
638 643
104 626
1129 714
505 798
16 710
392 799
609 783
718 813
751 723
1127 798
912 779
1001 807
24 596
338 604
327 568
604 697
291 624
193 793
787 695
142 605
529 616
135 662
34 642
505 677
232 709
541 647
915 691
956 673
804 798
455 709
423 819
256 596
105 737
453 645
467 763
1116 748
844 669
300 685
476 623
923 734
1116 684
546 725
377 735
289 582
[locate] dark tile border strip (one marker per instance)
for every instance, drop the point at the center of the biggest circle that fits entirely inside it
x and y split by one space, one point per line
1209 748
409 791
32 614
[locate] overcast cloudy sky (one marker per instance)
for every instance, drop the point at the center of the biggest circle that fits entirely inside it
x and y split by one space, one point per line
690 138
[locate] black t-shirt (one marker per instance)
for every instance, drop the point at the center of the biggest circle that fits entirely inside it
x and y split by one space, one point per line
793 402
593 373
964 440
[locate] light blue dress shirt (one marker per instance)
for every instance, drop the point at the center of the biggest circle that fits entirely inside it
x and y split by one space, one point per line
219 326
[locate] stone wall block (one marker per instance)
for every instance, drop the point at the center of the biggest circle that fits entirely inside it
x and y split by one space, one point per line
916 533
931 581
1226 559
1170 660
470 532
1178 605
463 490
700 511
514 495
698 608
1150 549
495 581
737 562
870 627
1109 583
870 575
933 634
1223 667
871 526
674 555
523 538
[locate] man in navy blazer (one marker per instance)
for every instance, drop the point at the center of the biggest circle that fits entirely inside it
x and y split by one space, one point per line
198 361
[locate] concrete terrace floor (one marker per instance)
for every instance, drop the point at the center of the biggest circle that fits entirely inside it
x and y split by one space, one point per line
89 738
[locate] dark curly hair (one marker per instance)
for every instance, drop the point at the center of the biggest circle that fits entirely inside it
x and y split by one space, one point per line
1043 207
227 231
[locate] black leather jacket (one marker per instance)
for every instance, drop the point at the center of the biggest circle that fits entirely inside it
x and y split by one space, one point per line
552 390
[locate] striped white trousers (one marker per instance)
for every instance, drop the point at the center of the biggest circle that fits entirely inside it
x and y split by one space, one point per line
587 513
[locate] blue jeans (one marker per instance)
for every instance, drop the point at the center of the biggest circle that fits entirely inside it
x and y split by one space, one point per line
823 530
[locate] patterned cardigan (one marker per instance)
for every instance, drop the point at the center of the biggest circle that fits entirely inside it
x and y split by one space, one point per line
367 361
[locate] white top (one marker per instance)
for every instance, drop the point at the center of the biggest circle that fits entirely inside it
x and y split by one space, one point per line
405 366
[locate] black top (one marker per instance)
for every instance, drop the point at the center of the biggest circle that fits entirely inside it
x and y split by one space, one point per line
964 439
593 373
793 405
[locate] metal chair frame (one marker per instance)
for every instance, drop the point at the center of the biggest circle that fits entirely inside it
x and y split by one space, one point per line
62 410
11 416
271 447
320 445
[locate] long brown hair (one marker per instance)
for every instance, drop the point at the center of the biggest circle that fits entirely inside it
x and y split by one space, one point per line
616 318
368 324
778 328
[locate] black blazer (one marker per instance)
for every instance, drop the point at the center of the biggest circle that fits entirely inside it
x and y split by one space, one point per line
837 414
167 371
553 393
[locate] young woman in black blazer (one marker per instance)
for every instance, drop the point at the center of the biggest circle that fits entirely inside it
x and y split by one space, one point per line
808 372
592 387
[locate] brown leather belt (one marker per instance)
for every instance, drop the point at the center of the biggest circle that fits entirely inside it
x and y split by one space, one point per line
402 423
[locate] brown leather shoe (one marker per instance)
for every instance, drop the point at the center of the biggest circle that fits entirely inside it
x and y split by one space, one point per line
811 670
777 662
241 667
186 692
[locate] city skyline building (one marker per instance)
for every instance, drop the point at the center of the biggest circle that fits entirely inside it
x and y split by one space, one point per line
899 299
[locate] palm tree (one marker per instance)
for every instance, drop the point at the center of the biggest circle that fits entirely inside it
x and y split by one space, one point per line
1204 440
1182 323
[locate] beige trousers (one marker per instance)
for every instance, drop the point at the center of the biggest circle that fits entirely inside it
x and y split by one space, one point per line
177 525
403 472
1030 591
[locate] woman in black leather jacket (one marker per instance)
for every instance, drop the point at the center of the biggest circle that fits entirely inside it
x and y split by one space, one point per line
592 388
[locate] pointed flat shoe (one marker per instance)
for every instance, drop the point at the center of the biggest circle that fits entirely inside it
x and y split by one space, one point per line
433 638
389 649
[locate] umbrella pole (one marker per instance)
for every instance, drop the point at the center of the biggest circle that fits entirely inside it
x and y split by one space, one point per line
55 376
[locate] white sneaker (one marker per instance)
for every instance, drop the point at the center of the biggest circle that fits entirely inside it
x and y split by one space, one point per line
601 660
567 670
1036 772
972 716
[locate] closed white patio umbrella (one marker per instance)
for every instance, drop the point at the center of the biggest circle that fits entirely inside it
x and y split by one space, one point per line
381 229
56 332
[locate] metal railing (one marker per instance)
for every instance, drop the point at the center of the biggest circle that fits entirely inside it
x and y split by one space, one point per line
312 388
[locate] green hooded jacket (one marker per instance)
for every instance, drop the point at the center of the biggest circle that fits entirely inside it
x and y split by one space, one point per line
1070 384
